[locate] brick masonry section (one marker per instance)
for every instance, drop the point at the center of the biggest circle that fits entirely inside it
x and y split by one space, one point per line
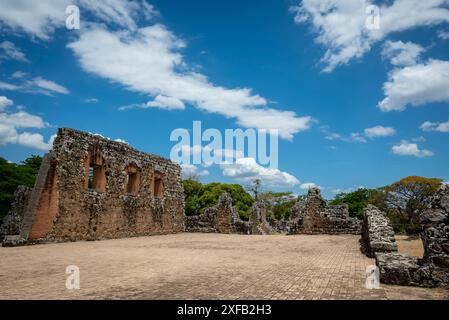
91 188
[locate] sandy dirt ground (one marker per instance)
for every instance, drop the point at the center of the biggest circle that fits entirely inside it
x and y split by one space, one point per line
410 245
198 266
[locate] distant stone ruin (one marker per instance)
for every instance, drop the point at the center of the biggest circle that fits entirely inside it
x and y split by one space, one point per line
377 232
316 216
433 269
258 219
91 188
221 218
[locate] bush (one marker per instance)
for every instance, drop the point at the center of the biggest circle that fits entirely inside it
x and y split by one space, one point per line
356 201
199 197
11 176
280 204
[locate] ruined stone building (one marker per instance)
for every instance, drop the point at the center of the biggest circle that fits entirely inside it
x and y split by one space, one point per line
89 187
314 216
221 218
432 270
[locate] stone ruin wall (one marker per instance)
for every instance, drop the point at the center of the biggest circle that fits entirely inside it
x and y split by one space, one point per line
12 222
258 219
377 232
432 270
91 188
221 218
316 216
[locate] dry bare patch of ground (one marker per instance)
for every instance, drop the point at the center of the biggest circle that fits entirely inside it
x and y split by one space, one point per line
412 246
198 266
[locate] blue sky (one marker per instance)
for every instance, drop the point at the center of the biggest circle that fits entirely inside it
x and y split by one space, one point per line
354 107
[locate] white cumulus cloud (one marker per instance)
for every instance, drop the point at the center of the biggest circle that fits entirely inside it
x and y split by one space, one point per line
11 122
48 86
435 126
189 170
247 169
416 85
164 102
309 185
402 54
341 24
40 19
379 131
5 102
149 61
11 52
405 148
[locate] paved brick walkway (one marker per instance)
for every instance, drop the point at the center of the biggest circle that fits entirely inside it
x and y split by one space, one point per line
199 266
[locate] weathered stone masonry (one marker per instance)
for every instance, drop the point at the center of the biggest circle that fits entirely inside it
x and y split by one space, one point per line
430 271
314 216
433 269
377 232
221 218
92 188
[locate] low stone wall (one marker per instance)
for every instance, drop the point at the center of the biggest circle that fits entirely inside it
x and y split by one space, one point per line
403 270
433 269
221 218
377 232
12 222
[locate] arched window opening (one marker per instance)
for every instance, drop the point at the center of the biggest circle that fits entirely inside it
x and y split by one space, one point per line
95 172
158 185
132 179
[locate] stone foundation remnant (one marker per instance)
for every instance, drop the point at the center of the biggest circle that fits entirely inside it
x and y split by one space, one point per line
258 219
377 232
433 269
91 188
221 218
316 216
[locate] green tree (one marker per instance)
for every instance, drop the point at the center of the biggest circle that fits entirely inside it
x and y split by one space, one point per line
280 204
33 162
356 201
12 175
192 189
406 199
255 188
199 197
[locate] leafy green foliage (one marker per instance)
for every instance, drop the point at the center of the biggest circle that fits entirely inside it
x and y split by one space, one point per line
406 199
356 201
403 201
199 197
12 175
280 203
